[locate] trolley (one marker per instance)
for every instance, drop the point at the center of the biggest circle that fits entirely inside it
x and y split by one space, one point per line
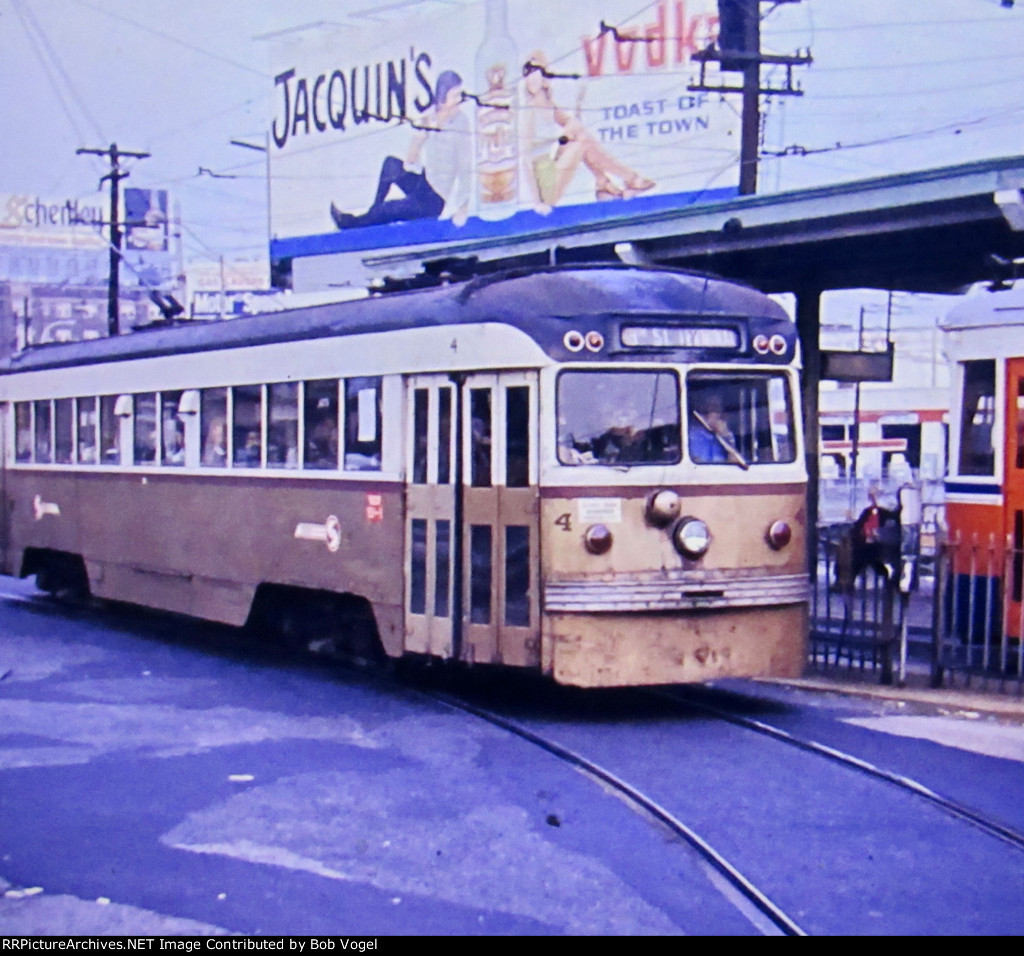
596 472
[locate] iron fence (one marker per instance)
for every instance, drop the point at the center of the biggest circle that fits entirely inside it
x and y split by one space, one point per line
856 620
959 624
978 614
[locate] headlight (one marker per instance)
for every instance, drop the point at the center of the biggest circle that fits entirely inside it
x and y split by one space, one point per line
691 538
663 508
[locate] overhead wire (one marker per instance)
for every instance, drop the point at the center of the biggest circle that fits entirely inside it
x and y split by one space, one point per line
52 66
945 129
170 38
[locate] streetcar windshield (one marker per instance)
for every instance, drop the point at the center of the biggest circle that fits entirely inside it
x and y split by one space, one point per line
739 419
618 418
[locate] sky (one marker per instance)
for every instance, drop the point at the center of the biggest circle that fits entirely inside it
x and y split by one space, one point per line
893 87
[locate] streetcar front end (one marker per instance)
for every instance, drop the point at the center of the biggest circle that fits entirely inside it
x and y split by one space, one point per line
673 508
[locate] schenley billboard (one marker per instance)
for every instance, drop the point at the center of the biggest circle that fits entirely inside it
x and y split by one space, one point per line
66 241
497 119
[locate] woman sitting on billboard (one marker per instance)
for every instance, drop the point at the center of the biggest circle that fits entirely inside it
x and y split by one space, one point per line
556 143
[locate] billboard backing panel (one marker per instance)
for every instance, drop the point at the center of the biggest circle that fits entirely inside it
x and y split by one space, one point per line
499 119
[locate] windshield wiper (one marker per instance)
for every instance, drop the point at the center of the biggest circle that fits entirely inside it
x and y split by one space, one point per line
730 449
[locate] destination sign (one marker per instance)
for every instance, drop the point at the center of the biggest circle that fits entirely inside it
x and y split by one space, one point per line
679 337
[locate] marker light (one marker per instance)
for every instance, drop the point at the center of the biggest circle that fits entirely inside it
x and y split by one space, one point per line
691 538
777 344
761 344
779 535
595 341
573 341
663 508
597 539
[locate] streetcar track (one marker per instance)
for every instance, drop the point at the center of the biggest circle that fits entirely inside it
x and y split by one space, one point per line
726 878
1006 834
1000 831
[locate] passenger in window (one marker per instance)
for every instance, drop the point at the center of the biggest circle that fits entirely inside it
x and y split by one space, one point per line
710 433
322 443
174 447
215 452
249 454
145 448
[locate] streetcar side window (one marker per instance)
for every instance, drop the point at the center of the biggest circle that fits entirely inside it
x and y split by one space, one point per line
977 416
145 429
744 419
320 424
247 425
110 430
63 431
283 425
213 428
618 417
362 424
172 430
23 431
43 432
86 413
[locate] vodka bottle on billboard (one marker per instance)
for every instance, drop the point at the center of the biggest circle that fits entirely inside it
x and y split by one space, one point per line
497 149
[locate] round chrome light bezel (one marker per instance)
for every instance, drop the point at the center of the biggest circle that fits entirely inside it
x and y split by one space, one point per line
777 343
597 539
778 535
691 538
573 340
761 344
663 507
594 341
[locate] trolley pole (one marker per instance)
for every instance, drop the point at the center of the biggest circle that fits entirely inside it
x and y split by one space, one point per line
115 176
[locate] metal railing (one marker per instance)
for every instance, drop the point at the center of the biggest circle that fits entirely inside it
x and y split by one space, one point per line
856 622
978 614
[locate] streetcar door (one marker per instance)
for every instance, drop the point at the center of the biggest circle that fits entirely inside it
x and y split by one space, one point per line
1013 500
499 516
431 407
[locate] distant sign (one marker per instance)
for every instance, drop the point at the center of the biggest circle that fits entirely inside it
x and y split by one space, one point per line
29 220
146 215
494 120
147 246
857 366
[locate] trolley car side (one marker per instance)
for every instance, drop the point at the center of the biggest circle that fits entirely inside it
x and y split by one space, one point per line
504 471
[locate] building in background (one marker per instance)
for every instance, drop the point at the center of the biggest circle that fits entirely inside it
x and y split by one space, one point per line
55 265
877 436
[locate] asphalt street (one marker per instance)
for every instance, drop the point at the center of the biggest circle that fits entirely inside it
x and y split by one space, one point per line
159 776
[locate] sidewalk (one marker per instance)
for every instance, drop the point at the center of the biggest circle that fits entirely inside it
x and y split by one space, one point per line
984 696
1008 705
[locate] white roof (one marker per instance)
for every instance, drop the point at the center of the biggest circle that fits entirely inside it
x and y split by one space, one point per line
984 309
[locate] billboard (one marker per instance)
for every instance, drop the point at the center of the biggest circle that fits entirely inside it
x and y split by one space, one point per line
146 250
498 119
27 220
66 241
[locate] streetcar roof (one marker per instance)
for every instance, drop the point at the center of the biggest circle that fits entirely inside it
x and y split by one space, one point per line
983 309
541 302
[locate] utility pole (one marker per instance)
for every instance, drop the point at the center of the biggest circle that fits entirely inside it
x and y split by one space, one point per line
115 176
739 51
